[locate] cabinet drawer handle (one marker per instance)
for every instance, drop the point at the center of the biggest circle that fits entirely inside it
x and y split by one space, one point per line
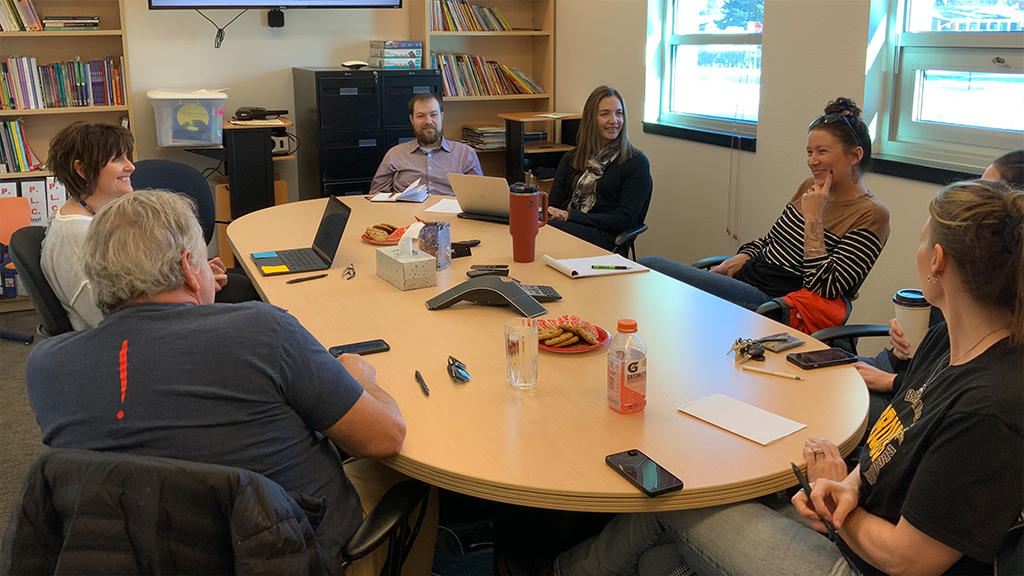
367 142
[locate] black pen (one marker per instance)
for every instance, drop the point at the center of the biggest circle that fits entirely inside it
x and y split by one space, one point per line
807 489
423 385
304 278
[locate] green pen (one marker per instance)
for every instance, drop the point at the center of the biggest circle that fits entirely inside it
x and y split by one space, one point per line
600 267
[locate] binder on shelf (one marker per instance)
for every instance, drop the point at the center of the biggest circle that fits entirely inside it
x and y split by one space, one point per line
56 195
35 191
8 188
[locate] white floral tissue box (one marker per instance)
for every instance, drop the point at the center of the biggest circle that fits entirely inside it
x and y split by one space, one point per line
406 272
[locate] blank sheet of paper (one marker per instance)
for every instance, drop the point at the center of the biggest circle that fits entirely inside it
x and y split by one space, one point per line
742 419
445 206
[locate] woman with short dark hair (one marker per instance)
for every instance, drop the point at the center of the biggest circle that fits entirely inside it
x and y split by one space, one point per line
603 187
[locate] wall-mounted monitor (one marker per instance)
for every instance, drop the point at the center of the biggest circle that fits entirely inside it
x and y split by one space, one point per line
270 4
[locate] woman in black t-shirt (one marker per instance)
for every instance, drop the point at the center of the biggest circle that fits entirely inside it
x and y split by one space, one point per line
942 476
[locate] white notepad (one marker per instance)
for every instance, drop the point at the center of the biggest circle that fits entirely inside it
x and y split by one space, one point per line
415 192
582 267
741 418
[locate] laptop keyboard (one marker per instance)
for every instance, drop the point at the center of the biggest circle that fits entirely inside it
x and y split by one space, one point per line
299 260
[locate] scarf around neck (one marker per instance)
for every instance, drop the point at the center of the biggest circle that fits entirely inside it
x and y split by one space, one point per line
585 194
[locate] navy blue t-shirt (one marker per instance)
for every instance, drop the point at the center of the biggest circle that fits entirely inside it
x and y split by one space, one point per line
240 385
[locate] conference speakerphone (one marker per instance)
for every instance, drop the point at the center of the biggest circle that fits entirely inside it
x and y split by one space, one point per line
490 291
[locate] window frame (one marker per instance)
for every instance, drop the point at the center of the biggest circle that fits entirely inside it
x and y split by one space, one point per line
908 53
669 41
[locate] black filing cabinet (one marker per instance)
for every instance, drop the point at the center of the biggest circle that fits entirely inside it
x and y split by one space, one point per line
348 119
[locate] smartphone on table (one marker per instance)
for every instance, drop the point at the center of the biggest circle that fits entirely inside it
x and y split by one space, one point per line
361 348
643 472
821 358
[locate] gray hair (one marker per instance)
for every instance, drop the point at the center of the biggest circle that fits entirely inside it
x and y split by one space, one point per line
134 245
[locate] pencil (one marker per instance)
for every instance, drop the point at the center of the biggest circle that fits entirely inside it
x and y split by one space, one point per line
771 372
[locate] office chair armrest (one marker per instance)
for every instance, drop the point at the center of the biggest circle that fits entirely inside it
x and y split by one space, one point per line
626 235
710 262
390 512
852 331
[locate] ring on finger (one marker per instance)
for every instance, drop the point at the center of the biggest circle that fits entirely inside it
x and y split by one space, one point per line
818 451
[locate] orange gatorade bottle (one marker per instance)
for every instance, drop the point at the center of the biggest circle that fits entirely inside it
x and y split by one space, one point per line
627 370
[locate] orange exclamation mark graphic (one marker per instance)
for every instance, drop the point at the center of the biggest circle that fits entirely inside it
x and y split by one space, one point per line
124 375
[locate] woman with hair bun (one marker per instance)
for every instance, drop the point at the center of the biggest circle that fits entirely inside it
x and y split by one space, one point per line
829 235
941 479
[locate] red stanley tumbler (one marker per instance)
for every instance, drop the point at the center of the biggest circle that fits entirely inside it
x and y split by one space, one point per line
523 219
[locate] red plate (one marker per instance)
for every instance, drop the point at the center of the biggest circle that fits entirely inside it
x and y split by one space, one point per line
391 241
602 334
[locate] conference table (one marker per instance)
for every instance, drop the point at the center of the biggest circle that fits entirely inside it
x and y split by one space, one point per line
545 446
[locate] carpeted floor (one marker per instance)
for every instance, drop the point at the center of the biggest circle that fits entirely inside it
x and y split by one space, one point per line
19 433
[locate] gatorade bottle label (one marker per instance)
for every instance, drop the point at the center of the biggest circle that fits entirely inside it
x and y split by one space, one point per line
627 384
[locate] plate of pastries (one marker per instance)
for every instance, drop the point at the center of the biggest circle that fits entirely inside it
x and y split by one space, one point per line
383 234
569 334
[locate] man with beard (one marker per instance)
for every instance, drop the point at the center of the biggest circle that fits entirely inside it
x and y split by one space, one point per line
429 158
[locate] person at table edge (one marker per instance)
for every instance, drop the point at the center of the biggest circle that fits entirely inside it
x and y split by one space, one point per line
429 158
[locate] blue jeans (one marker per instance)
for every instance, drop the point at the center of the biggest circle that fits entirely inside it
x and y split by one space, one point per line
735 540
735 291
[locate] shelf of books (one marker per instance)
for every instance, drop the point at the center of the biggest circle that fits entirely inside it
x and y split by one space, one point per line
61 61
495 56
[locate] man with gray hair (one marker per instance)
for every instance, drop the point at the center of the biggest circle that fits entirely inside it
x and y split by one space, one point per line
169 373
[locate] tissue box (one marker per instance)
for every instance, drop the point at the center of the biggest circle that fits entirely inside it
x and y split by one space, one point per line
406 272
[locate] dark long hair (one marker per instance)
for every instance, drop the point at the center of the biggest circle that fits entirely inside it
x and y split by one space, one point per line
588 139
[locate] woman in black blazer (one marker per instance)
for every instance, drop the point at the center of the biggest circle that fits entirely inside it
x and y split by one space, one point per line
603 187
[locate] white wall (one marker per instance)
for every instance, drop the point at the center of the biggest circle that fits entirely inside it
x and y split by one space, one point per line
174 49
812 51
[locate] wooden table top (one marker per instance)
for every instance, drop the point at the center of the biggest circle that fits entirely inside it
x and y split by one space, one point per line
545 446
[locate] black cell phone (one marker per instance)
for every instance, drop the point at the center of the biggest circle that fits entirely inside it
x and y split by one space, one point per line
643 472
361 348
821 358
489 267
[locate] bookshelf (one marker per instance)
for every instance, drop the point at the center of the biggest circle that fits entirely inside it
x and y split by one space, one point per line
530 47
42 124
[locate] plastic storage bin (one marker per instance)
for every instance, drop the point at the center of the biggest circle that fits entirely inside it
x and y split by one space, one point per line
188 119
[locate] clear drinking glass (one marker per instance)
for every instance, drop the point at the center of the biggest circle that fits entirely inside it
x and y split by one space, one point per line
521 348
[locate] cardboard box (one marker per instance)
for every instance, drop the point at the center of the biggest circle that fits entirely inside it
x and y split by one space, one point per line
396 44
396 53
406 63
406 272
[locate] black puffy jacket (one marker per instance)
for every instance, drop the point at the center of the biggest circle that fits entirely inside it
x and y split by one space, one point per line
82 512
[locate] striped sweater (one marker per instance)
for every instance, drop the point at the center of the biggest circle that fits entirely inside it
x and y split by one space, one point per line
855 232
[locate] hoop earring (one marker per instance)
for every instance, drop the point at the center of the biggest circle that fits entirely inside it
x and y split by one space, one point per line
855 176
932 279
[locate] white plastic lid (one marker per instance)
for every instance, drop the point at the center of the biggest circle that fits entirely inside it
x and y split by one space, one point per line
162 94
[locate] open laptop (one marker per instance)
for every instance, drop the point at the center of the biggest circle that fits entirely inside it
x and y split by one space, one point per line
481 197
319 256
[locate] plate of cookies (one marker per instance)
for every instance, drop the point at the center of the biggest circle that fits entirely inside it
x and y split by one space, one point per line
570 334
383 234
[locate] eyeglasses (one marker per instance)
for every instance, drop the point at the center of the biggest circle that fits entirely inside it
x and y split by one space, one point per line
832 119
457 370
349 272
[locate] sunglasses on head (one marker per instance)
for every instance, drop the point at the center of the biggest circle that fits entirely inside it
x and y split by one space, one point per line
833 118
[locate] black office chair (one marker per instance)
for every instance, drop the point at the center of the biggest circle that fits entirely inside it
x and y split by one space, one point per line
110 513
776 308
625 242
183 179
26 250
